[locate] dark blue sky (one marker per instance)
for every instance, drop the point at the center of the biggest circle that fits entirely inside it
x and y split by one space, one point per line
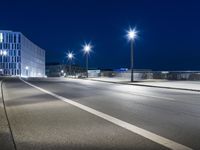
169 30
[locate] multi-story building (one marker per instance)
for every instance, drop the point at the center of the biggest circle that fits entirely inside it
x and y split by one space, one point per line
19 56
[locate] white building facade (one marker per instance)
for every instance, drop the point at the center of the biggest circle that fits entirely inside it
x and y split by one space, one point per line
19 56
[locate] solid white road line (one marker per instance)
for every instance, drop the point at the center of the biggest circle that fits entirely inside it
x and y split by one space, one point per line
142 132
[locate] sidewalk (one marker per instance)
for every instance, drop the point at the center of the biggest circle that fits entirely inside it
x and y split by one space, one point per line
179 85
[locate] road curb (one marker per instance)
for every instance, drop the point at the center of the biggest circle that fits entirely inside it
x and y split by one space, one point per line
10 139
162 87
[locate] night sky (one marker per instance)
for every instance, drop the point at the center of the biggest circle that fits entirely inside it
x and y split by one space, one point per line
169 30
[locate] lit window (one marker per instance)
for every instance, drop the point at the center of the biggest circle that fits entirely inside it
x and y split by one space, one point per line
1 37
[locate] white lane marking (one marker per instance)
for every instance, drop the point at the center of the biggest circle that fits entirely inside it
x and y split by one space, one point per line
142 132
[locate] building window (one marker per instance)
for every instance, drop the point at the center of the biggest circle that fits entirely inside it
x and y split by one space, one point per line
1 37
4 46
7 38
18 59
7 66
11 38
19 38
19 53
10 52
18 46
15 53
14 38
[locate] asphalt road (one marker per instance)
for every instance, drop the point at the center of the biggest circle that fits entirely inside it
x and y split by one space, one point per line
41 121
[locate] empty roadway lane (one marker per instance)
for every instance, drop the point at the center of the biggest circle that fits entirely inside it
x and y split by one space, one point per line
57 113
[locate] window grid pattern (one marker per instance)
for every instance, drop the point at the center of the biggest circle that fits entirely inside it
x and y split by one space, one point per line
18 53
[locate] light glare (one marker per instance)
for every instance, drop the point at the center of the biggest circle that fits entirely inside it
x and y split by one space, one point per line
70 55
4 53
132 34
87 48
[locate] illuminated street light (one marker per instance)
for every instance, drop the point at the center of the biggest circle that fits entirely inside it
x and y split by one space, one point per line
3 53
62 72
87 48
70 56
27 70
132 35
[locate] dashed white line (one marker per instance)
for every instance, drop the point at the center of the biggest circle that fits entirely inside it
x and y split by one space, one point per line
142 132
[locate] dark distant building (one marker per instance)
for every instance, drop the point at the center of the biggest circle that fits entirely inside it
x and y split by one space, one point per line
58 70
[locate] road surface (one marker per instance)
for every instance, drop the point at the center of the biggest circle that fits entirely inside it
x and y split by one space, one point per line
75 114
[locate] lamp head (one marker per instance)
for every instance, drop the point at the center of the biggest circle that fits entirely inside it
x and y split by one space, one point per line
87 48
70 55
132 34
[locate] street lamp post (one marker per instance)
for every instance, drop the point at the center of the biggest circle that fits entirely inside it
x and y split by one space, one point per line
70 56
132 35
87 49
86 65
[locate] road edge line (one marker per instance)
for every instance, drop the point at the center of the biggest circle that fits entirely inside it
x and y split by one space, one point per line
6 115
161 87
137 130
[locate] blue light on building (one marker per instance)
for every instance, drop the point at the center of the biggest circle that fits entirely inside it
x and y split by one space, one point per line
121 70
